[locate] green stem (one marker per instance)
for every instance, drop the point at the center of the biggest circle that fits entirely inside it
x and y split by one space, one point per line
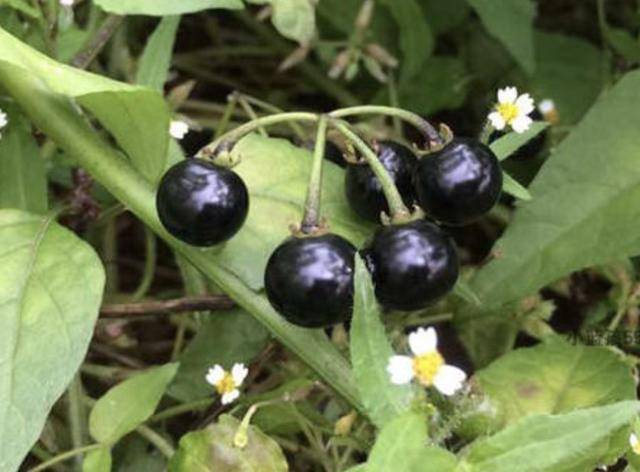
269 108
76 414
65 456
149 265
59 120
158 441
181 409
226 116
311 218
110 255
246 106
397 209
395 102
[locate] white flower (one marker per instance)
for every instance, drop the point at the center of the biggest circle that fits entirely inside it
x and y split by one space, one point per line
635 444
512 110
426 365
178 129
67 3
227 383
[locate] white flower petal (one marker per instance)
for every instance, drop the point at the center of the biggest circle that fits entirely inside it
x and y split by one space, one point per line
230 396
178 129
423 341
215 374
525 104
66 3
497 121
521 124
449 379
239 373
546 106
507 95
633 440
4 120
400 368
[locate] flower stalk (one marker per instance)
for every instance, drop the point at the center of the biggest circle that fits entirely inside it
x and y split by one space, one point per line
311 219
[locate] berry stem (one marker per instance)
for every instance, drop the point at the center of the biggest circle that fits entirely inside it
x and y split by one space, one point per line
311 218
269 108
430 133
397 209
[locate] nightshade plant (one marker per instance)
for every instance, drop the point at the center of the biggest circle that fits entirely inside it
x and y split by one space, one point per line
182 290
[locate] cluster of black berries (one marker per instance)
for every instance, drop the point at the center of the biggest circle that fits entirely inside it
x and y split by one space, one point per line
309 279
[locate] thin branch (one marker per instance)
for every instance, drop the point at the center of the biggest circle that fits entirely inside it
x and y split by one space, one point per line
97 42
164 307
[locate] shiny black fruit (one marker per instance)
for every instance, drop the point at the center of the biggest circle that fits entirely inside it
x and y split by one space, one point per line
412 265
201 203
309 280
363 190
459 183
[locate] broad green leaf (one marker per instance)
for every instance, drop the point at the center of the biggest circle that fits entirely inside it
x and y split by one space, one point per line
23 180
224 338
277 174
98 460
370 353
402 447
551 443
137 117
510 143
51 286
512 23
156 57
512 187
294 19
555 377
213 450
128 404
165 7
584 207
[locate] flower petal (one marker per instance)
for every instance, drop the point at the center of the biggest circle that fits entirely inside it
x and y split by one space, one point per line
633 440
229 397
507 95
400 368
178 129
525 104
3 119
449 379
239 373
521 124
497 121
423 341
215 374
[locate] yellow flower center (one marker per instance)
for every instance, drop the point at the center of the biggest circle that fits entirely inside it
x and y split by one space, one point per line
426 367
509 111
226 385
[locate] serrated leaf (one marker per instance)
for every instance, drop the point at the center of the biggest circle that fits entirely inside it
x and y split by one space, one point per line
137 117
51 286
557 442
154 63
370 353
506 145
512 23
130 403
512 187
165 7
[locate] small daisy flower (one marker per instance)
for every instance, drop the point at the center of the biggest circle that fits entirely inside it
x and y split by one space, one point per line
547 108
227 383
426 365
512 110
635 444
178 129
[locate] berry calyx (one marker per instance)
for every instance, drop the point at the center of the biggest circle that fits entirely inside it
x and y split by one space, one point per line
363 190
309 280
201 203
412 265
458 183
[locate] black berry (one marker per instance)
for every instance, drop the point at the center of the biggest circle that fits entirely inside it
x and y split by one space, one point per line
459 183
309 280
412 265
201 203
363 190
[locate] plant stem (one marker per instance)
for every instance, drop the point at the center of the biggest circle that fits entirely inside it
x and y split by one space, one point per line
65 456
226 116
97 42
311 218
246 106
164 307
76 414
397 209
157 440
149 265
269 108
181 409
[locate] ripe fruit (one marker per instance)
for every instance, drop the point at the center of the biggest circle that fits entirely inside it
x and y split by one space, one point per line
458 183
309 280
363 190
412 265
201 203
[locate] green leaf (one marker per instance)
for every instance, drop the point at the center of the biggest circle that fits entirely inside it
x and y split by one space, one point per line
51 286
23 180
584 207
512 187
224 338
370 353
23 6
444 16
98 460
165 7
213 450
294 19
623 43
463 290
137 117
510 143
276 174
555 377
156 57
565 442
512 23
130 403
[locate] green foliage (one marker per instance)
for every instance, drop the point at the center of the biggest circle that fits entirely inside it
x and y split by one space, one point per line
154 63
511 142
512 187
294 19
164 7
50 290
98 460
